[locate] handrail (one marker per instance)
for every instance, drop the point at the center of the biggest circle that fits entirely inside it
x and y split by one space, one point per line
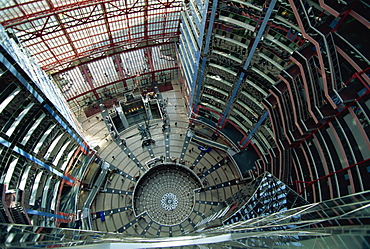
326 176
94 191
235 147
210 142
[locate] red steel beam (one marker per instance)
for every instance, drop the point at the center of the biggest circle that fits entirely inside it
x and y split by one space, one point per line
50 12
86 73
96 59
117 61
78 56
146 23
344 15
148 55
328 175
65 33
330 119
358 75
107 26
49 49
114 82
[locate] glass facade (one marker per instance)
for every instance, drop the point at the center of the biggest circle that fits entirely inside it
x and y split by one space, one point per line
278 90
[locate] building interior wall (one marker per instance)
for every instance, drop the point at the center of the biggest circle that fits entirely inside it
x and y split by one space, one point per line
286 81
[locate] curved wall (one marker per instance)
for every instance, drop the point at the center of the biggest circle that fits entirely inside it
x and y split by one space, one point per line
287 78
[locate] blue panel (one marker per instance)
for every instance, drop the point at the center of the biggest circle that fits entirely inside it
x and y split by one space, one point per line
199 3
36 212
102 215
200 81
335 22
194 79
34 159
20 78
363 91
4 142
42 164
194 18
61 122
256 127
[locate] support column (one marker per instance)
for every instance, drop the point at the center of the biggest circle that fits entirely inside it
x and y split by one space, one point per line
122 116
205 54
249 59
247 140
203 7
148 111
118 64
86 72
149 60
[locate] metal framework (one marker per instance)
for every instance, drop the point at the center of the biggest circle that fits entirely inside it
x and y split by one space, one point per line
62 34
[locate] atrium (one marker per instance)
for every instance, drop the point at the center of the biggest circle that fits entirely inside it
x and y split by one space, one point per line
192 124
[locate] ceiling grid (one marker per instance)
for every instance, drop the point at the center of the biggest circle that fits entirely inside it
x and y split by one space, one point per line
63 34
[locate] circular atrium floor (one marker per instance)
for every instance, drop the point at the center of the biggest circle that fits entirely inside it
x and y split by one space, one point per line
166 194
130 165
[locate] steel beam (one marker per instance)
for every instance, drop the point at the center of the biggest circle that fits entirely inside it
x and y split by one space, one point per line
85 72
249 59
50 12
262 119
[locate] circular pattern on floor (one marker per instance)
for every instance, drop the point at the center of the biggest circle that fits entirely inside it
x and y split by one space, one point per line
169 201
166 194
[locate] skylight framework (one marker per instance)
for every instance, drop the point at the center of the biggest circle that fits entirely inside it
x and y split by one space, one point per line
96 49
63 34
